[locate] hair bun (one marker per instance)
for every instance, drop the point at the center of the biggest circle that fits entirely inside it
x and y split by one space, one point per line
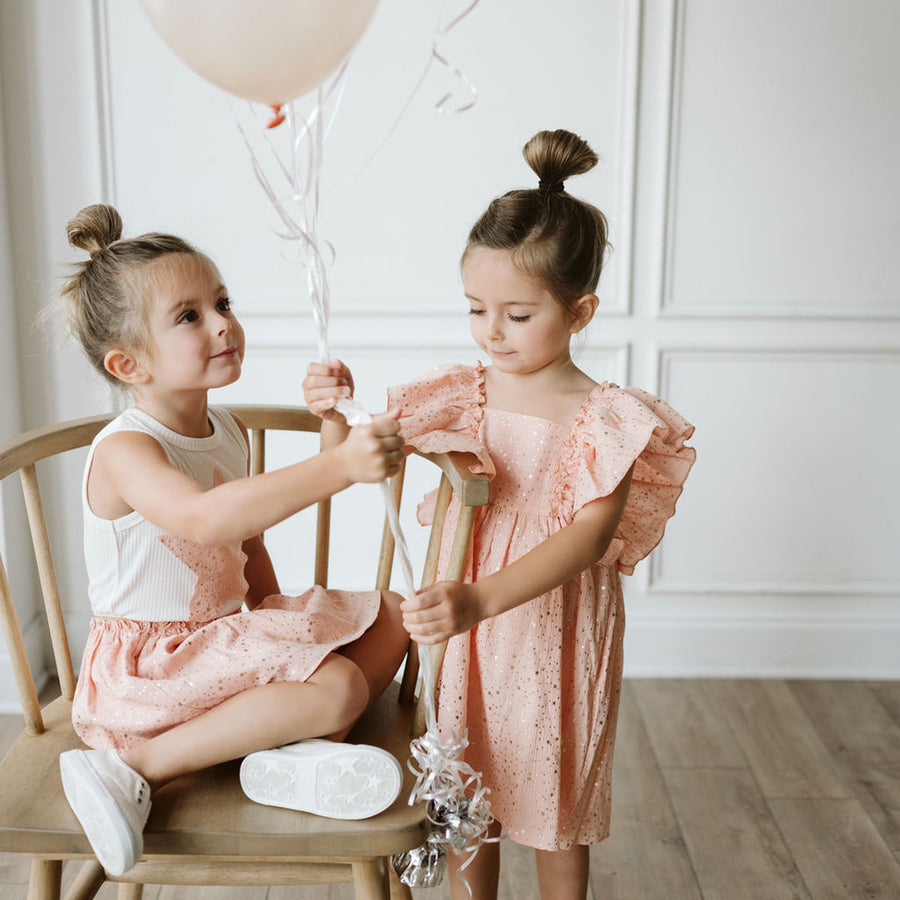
95 228
557 155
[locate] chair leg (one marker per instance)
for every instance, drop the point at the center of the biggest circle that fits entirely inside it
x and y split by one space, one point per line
370 880
129 891
46 879
87 882
399 891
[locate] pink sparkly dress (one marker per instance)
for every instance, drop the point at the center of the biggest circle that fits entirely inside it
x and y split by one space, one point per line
538 687
169 639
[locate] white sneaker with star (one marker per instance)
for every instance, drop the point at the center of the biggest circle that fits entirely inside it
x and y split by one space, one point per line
341 781
112 803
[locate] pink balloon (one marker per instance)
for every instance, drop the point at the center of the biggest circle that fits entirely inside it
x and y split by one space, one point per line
265 50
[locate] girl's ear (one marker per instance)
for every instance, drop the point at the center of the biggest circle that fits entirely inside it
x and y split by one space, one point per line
125 367
583 311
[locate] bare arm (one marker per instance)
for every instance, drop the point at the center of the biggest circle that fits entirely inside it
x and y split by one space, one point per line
452 607
132 467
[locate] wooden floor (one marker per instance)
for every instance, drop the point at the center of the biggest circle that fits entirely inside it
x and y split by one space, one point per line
723 790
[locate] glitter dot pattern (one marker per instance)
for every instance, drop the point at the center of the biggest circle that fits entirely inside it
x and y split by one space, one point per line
537 687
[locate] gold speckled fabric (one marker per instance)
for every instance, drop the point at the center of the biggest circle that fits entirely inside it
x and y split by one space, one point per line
537 688
139 679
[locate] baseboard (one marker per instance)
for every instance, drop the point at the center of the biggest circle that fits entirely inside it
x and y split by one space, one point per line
762 648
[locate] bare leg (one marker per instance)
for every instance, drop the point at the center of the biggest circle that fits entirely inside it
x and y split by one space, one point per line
483 873
380 649
333 697
563 874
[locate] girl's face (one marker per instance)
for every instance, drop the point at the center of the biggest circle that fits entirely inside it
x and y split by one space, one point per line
514 318
196 343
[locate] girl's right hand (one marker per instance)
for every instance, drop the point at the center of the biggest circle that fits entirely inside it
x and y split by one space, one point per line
374 452
324 385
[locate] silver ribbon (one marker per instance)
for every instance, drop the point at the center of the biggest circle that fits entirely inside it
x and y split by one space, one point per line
458 809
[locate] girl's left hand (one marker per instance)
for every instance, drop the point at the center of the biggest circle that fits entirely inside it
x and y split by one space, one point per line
441 611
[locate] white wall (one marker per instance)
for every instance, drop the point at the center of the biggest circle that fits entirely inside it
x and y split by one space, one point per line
750 182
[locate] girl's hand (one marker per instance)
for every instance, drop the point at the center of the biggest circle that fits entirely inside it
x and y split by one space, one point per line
443 610
324 385
373 452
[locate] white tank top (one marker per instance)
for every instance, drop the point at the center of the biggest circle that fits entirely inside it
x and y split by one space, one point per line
131 572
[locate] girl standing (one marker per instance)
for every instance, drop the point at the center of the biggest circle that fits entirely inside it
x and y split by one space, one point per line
175 676
585 476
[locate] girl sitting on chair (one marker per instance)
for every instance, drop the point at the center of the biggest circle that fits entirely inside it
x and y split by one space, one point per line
194 657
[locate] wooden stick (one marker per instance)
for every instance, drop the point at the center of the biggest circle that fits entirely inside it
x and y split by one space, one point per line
386 560
15 645
49 586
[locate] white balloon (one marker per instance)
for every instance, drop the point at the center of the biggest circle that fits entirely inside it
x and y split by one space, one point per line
265 50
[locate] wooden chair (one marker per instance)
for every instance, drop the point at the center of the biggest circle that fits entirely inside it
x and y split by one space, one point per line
202 829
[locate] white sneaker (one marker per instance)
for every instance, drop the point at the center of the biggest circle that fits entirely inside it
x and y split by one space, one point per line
111 801
341 781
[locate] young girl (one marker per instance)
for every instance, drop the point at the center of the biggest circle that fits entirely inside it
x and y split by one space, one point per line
585 476
175 676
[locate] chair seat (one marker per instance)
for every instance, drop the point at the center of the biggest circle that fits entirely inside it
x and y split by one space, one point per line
206 813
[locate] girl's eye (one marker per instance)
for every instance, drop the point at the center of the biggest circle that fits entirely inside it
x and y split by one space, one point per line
189 315
476 312
513 318
224 304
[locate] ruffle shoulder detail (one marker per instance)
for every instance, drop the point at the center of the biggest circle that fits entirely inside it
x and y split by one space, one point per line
614 429
442 412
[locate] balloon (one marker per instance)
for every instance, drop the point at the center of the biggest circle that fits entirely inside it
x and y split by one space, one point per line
265 50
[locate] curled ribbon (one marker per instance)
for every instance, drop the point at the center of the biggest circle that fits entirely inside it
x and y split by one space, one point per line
458 808
458 74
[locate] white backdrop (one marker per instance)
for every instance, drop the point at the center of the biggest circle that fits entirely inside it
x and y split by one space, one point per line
750 180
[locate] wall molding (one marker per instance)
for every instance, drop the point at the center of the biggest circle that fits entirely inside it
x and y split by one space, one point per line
621 300
657 582
627 130
102 73
670 306
296 331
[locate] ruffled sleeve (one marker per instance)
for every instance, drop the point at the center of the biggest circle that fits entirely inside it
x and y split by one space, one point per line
442 412
615 429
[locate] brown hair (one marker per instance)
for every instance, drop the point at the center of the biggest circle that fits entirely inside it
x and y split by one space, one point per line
106 298
553 236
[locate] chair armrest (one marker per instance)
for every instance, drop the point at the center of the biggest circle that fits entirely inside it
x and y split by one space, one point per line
276 418
471 489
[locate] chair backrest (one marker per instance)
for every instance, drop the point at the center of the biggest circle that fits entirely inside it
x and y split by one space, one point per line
21 455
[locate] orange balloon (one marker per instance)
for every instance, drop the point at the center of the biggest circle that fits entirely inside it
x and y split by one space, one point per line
265 50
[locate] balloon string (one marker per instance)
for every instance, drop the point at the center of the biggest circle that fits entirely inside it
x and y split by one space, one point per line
440 32
302 176
296 198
